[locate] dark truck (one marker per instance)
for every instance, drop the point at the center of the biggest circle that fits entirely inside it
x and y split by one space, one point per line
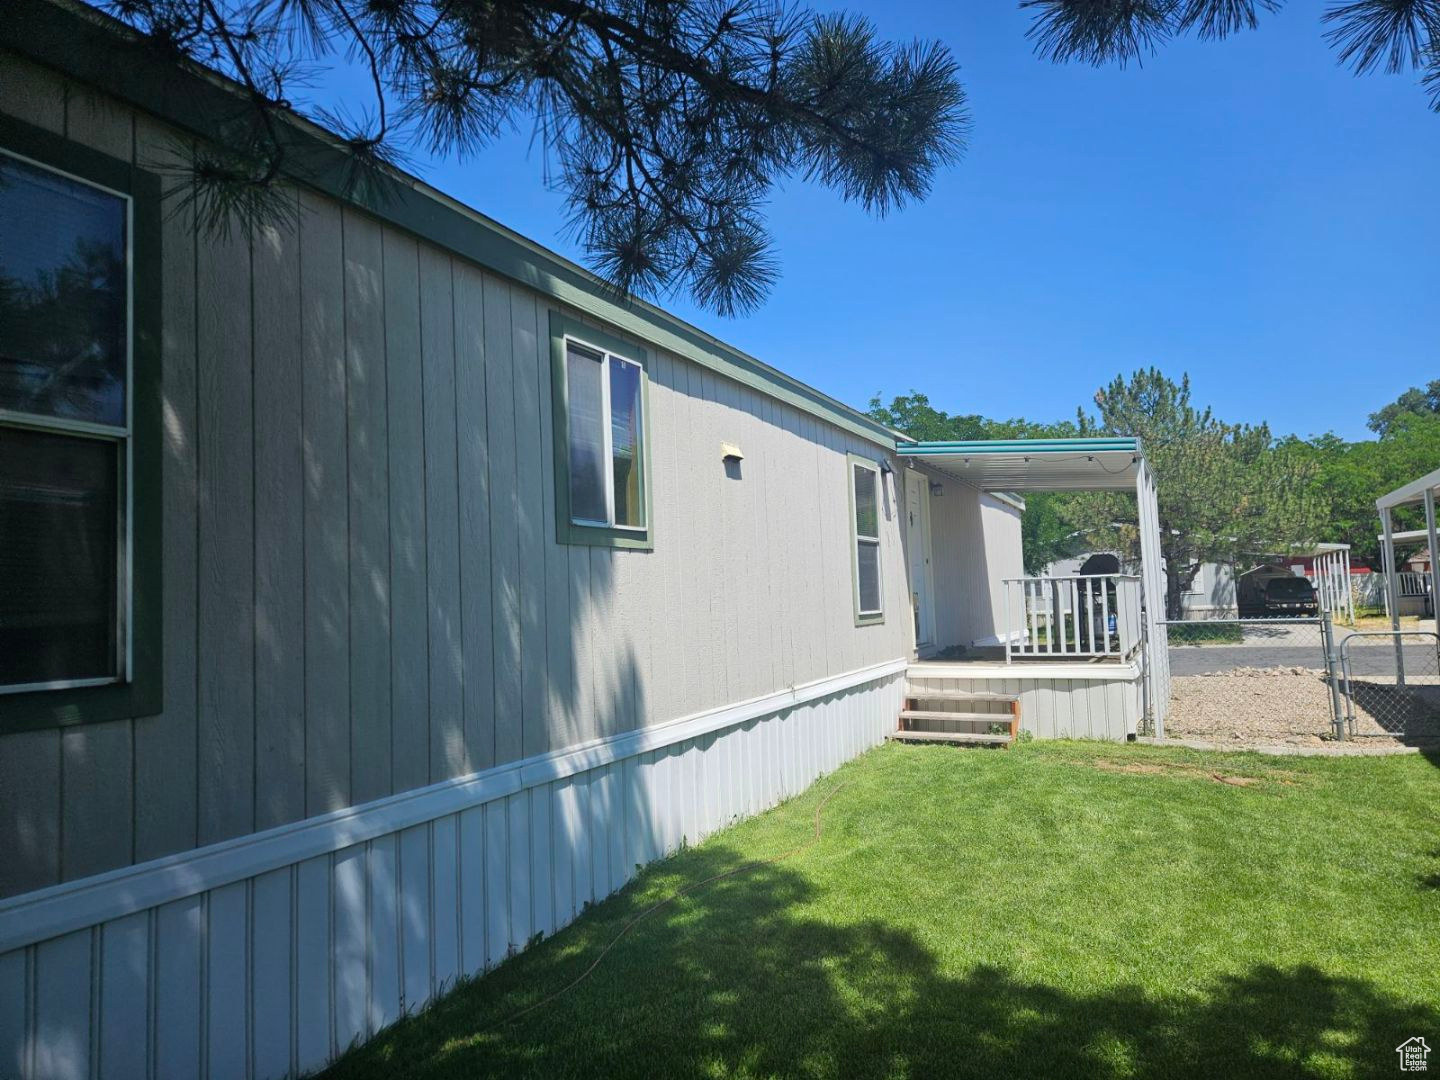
1292 597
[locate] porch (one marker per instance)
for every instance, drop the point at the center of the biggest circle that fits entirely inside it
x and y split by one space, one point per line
1080 655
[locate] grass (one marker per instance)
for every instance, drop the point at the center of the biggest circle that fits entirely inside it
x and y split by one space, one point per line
1206 633
1378 620
1057 910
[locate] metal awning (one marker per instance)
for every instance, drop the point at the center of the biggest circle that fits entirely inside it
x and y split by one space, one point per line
1034 464
1411 493
1407 536
1094 464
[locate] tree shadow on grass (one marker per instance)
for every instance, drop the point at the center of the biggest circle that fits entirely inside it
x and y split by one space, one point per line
744 978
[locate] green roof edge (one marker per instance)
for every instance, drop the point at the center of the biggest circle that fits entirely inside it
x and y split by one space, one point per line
1004 446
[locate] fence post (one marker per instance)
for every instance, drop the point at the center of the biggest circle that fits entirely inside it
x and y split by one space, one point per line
1332 671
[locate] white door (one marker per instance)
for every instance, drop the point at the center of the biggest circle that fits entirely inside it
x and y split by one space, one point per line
917 533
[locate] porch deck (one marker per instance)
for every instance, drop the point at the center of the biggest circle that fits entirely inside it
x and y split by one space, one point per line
1078 697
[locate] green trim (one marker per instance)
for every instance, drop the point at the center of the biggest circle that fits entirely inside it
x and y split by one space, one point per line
567 531
143 694
93 48
1018 446
867 618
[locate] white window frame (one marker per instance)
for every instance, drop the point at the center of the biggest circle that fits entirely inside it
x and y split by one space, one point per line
608 357
124 435
865 616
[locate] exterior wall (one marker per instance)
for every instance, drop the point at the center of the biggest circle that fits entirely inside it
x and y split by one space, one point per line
1212 594
363 590
975 545
404 728
274 953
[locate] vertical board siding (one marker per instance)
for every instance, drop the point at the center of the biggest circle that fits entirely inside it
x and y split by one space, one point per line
380 934
447 749
313 958
363 588
276 974
526 358
504 547
30 810
410 621
415 918
473 478
326 518
272 946
445 908
227 939
165 748
226 459
367 445
279 536
124 994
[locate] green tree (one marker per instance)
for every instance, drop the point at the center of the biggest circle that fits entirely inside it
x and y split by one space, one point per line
1413 402
1368 35
669 120
1224 490
1349 476
1046 532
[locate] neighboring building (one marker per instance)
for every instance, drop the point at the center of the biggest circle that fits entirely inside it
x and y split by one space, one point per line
380 592
1216 590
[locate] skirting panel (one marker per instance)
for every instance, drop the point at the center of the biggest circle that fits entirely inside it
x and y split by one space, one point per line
277 972
1069 708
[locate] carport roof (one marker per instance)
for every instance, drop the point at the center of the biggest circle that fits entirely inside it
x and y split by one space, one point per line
1034 464
1412 492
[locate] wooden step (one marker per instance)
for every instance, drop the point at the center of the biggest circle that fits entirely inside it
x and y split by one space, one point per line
968 717
916 693
951 737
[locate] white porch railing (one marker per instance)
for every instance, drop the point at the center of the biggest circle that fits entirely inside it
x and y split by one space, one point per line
1083 616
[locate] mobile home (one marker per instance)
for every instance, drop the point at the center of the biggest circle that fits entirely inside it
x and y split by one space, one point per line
376 590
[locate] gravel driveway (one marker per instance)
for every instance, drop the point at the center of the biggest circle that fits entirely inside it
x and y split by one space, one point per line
1248 706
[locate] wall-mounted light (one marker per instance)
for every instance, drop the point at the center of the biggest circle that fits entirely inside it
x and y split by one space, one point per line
731 456
936 490
885 467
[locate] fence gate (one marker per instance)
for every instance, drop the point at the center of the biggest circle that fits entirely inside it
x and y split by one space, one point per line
1389 684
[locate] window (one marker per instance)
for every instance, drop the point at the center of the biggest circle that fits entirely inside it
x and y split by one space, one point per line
64 427
78 641
866 496
602 494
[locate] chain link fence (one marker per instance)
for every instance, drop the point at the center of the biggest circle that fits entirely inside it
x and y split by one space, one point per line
1303 681
1250 681
1389 685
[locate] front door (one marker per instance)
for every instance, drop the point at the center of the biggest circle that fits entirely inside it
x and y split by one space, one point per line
917 534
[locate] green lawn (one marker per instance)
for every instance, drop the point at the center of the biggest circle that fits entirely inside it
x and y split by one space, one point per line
1050 911
1206 633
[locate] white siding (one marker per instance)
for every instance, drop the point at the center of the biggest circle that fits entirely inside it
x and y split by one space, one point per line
975 545
370 929
363 589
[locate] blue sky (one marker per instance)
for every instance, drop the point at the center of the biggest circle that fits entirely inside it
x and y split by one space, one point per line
1243 210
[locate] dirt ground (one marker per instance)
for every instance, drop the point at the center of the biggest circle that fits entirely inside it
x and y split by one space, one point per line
1268 706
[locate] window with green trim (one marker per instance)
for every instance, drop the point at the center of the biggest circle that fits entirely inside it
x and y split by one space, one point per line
601 437
64 428
866 493
80 590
